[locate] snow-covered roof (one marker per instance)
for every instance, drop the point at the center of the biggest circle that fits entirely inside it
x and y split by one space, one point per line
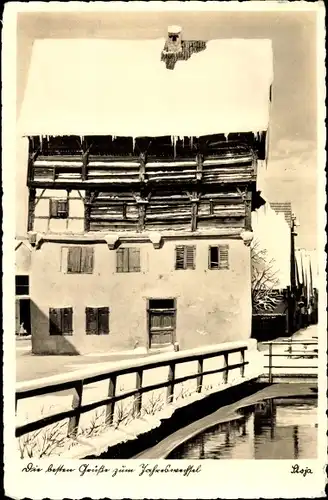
122 88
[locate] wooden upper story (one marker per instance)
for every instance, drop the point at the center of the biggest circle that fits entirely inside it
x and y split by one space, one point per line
107 161
147 183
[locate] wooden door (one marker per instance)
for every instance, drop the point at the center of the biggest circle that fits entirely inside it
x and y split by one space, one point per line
162 322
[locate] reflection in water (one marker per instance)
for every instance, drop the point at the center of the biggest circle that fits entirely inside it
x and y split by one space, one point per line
272 429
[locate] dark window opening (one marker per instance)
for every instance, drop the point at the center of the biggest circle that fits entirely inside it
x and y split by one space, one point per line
22 285
161 304
58 209
128 260
97 320
219 257
61 321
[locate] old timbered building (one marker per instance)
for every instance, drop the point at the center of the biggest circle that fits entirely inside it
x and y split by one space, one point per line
140 221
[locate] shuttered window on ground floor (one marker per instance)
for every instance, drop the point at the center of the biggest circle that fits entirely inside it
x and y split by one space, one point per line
61 321
97 320
218 257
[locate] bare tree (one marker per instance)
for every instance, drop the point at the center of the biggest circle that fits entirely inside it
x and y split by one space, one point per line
264 279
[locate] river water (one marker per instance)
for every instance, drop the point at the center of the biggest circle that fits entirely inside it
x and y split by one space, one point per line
271 429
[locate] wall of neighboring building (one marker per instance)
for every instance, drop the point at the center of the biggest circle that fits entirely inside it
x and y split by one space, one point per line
212 305
272 233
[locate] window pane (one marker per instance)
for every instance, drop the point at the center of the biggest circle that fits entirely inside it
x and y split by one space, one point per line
22 285
22 280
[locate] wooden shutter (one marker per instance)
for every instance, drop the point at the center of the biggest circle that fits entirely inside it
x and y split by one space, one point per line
86 260
179 257
74 260
119 260
53 208
125 260
223 256
67 320
103 320
55 326
91 321
134 259
190 256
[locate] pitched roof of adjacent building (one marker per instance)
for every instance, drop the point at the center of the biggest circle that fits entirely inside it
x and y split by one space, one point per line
283 208
123 88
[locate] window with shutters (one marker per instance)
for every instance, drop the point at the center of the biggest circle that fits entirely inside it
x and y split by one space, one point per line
58 209
218 257
185 257
22 285
79 260
61 321
128 260
97 320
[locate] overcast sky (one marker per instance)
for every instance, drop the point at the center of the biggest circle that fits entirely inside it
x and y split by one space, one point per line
291 174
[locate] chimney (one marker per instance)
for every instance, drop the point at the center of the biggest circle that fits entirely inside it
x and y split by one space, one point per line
174 38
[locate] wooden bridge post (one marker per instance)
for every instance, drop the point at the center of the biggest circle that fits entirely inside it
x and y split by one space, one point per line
270 363
242 359
226 366
110 408
138 397
73 423
170 389
200 377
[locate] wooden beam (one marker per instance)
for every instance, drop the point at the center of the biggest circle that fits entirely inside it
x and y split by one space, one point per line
31 161
87 211
248 211
142 167
199 170
141 215
85 161
194 199
31 209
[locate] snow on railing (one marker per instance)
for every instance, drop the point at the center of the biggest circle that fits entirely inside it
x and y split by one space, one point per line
81 379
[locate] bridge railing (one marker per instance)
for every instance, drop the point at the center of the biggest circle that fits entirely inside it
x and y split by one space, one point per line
295 350
78 380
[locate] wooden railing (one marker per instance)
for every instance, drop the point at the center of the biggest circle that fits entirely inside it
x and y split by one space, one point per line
293 351
76 381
